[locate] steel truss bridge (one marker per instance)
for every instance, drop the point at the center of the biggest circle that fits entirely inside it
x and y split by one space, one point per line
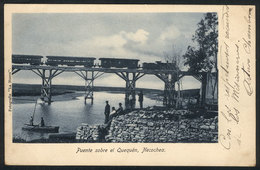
130 76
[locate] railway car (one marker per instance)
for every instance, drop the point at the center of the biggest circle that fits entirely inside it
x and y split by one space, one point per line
27 59
118 63
70 61
150 66
159 66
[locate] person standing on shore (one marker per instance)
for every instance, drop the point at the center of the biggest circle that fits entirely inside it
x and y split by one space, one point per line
31 121
107 111
141 99
42 122
131 101
112 113
120 109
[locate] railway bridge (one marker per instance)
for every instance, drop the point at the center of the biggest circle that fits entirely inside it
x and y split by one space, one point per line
130 76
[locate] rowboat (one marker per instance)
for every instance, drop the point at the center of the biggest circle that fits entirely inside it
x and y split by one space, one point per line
37 128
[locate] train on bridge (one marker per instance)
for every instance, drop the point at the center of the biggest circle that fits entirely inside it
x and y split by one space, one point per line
90 62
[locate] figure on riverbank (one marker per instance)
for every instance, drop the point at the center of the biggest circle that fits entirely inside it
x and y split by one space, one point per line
31 121
42 122
112 113
120 109
107 111
131 101
141 99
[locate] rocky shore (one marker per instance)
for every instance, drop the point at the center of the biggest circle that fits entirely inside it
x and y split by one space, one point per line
91 133
153 125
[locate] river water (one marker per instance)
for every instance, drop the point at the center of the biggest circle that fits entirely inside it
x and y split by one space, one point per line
67 114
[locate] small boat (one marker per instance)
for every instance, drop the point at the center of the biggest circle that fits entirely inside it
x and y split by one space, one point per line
37 128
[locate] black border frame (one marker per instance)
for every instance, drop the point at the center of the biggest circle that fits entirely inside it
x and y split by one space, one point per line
172 2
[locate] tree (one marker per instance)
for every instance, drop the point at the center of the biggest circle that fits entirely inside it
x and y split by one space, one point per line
175 63
203 57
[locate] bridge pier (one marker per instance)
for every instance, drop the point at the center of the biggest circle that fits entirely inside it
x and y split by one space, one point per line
130 79
47 76
203 88
169 88
202 77
89 77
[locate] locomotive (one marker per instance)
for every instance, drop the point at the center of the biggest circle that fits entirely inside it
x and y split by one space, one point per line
27 59
158 65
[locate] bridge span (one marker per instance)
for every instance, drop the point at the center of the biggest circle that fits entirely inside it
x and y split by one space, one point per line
130 76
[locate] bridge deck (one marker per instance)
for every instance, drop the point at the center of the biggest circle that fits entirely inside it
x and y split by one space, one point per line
105 70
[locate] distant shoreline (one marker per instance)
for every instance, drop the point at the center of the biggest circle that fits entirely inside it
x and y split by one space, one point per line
35 89
24 93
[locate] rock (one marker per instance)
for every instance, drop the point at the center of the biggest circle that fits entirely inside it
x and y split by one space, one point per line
150 124
182 126
204 127
153 126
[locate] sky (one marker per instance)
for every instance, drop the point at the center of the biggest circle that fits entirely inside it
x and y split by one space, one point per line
144 36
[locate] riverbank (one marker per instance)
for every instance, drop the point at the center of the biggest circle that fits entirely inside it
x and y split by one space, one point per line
149 125
53 138
154 125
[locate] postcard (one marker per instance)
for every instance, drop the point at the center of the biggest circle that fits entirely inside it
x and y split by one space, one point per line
136 85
